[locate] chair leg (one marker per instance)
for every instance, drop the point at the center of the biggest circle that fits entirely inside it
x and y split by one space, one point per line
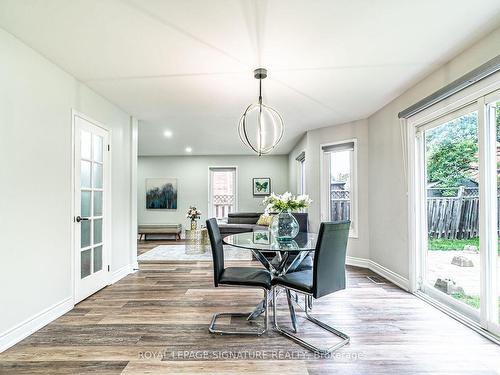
260 332
305 344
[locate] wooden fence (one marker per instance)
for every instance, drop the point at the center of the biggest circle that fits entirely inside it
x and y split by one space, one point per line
340 205
455 217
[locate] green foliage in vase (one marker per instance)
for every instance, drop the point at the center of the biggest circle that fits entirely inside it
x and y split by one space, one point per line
285 202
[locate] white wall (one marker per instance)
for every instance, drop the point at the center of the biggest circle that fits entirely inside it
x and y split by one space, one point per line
192 175
357 247
36 99
388 210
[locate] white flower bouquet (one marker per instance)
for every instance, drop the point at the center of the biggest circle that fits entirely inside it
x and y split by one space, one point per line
286 202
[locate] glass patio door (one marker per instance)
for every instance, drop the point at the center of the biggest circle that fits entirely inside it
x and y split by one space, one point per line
492 258
450 257
458 210
91 195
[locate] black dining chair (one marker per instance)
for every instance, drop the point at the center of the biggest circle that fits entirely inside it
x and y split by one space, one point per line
327 276
243 277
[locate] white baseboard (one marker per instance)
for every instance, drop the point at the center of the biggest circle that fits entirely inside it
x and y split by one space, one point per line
358 262
386 273
33 324
120 273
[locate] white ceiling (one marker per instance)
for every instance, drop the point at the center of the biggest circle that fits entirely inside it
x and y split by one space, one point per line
186 65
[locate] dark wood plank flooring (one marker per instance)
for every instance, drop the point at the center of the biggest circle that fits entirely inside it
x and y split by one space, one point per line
155 322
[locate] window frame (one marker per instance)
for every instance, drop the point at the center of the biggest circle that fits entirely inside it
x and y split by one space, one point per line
324 190
210 212
301 175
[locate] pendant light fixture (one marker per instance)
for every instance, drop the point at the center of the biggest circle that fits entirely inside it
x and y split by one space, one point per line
261 127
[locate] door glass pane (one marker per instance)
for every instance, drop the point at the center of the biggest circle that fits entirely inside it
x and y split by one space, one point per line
86 145
97 203
85 174
340 185
97 258
85 259
85 203
97 176
85 233
97 231
452 175
97 148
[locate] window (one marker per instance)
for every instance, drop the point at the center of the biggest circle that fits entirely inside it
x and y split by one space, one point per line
222 190
301 173
338 183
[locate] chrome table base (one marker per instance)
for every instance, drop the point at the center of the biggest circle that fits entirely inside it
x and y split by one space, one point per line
278 267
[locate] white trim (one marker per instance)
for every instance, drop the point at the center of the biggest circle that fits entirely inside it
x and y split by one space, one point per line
134 136
386 273
211 214
48 315
324 194
120 273
457 316
33 324
358 262
460 99
107 235
474 98
300 174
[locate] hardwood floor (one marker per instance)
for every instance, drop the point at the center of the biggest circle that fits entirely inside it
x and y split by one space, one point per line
155 321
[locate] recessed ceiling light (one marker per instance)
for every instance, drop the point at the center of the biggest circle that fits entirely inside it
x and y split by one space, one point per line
167 134
189 149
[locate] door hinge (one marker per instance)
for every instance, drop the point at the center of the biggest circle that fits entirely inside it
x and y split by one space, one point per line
108 267
109 148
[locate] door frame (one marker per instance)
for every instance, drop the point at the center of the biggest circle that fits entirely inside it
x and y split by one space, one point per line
478 95
107 180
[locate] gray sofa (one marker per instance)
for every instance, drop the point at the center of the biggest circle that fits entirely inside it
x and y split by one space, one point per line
241 222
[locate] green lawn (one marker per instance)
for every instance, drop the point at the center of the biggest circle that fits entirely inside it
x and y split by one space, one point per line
447 244
472 301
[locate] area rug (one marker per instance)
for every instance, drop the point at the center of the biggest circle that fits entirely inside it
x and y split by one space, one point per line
181 252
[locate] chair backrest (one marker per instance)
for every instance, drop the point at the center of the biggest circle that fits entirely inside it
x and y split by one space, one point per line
329 258
217 248
301 218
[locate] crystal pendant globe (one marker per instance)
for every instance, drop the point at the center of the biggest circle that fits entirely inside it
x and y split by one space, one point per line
261 127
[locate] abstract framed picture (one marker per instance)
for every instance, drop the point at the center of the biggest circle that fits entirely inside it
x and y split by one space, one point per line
261 186
161 193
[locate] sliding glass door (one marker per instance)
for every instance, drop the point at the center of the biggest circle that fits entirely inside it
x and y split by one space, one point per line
492 259
452 269
458 220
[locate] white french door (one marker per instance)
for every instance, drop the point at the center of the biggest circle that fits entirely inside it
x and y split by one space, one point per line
456 196
91 207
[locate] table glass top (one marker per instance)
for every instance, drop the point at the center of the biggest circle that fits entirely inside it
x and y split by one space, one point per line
264 241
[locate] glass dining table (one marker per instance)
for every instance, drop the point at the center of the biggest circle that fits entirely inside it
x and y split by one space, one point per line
288 256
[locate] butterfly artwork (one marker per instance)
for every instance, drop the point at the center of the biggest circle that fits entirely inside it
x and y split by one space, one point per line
261 186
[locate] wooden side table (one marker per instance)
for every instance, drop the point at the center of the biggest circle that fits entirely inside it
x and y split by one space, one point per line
197 241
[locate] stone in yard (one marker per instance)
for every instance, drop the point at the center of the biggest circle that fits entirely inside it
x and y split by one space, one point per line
461 261
448 286
471 249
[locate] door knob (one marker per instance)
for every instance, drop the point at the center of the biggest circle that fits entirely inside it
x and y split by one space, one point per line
79 218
